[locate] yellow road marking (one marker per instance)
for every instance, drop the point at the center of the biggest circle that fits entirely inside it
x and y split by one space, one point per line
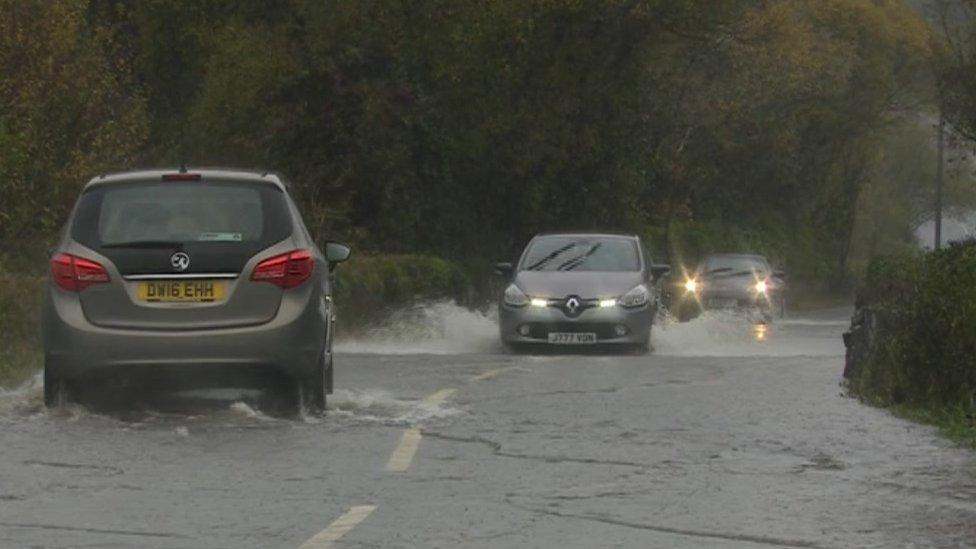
440 396
403 455
490 374
339 527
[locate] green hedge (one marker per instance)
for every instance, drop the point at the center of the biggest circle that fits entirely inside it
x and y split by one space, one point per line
920 352
370 286
20 345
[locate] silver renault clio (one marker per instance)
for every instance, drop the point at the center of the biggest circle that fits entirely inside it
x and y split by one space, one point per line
580 289
193 271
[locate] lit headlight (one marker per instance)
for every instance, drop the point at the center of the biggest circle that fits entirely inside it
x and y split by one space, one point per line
608 302
761 286
515 297
535 302
637 297
691 285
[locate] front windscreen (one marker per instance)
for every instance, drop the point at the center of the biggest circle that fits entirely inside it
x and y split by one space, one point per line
735 264
562 253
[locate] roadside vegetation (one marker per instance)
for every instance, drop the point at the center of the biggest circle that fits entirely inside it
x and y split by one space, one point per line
369 287
917 351
20 345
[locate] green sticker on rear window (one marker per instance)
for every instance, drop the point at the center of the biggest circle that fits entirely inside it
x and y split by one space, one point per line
219 237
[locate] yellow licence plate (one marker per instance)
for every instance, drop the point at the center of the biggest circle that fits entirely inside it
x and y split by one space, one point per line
187 291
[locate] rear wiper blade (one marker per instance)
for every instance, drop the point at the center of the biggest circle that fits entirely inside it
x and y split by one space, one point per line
148 244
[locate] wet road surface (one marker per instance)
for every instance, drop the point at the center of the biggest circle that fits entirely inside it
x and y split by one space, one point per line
725 436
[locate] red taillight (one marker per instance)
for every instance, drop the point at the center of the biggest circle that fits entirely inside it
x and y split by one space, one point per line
181 176
285 270
74 274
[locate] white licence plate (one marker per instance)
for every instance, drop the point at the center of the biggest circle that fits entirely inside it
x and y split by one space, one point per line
722 303
572 338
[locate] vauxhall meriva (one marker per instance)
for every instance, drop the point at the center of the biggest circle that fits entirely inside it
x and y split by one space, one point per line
192 271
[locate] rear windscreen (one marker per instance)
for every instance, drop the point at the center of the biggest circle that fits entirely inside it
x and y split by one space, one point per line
220 224
183 212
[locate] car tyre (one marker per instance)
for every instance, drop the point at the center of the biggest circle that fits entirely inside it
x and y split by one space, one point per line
312 389
643 348
330 377
55 387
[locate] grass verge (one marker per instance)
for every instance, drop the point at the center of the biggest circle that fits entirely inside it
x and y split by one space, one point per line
954 423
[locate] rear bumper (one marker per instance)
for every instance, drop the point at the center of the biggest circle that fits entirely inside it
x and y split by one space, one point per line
541 321
291 343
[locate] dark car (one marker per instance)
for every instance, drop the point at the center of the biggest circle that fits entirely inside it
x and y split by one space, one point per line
190 271
580 289
738 282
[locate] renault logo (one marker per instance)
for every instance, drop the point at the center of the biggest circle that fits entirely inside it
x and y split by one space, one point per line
572 305
180 261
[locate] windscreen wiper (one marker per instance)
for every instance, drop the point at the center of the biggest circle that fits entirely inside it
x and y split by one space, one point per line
580 259
719 270
742 273
145 244
545 260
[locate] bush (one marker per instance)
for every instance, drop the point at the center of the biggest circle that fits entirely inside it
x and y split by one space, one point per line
370 286
921 351
20 345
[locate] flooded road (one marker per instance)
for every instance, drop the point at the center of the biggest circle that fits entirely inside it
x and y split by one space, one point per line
727 435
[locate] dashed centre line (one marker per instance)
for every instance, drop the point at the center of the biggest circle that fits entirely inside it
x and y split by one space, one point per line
403 455
339 527
439 396
490 374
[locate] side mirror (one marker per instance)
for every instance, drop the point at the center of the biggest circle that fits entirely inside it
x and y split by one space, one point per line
504 269
660 271
336 253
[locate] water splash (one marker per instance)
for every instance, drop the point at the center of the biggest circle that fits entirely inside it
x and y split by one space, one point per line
26 400
440 327
727 334
378 406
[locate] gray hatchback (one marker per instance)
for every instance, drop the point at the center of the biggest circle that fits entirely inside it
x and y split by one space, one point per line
193 272
743 282
581 289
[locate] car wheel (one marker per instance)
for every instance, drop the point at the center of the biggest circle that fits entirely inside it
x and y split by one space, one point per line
330 376
312 389
687 312
643 347
55 387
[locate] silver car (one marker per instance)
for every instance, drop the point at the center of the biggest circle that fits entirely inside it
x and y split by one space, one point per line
194 272
741 282
580 289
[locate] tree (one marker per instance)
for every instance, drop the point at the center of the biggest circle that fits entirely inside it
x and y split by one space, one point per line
68 111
